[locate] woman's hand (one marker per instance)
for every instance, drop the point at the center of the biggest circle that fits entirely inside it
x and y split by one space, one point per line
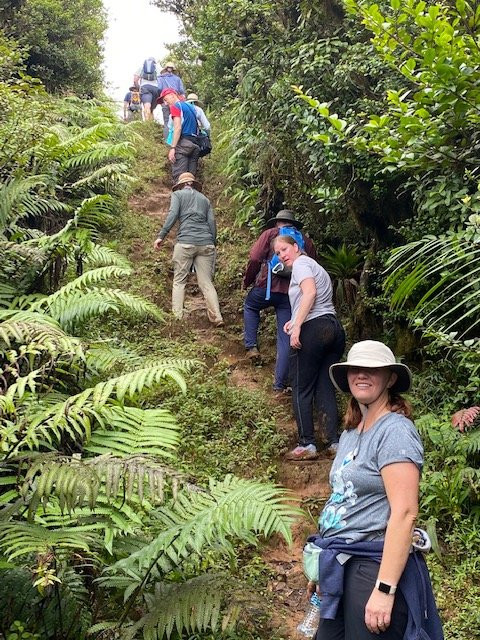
378 611
312 587
286 327
295 336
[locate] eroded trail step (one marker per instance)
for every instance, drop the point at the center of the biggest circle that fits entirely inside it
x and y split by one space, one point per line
308 481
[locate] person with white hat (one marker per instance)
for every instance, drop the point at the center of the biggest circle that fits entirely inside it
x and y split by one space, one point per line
168 79
203 121
372 580
195 246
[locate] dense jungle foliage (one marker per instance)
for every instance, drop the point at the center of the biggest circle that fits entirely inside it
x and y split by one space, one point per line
364 119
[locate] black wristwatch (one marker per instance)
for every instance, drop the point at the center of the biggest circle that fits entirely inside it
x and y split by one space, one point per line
389 589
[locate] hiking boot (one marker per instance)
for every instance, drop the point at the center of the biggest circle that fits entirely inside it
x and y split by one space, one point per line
331 451
253 354
280 393
303 453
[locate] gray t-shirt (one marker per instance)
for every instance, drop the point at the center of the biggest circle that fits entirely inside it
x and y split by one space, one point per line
358 507
305 267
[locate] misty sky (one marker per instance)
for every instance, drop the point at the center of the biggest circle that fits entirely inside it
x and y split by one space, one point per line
136 30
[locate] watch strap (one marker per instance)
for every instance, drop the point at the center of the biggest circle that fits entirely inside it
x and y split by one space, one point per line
385 587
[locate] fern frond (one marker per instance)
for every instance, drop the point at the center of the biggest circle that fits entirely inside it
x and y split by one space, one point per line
84 281
101 153
81 305
75 416
76 482
192 606
233 508
7 294
99 256
15 194
102 357
133 431
94 212
18 539
108 176
37 333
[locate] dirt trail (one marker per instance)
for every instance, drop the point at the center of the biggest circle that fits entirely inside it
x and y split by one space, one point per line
308 481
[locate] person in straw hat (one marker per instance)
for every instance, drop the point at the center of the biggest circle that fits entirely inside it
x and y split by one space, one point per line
203 121
195 246
257 300
380 583
168 79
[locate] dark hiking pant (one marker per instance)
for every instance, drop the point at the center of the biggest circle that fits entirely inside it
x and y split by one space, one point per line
254 303
186 158
358 583
323 343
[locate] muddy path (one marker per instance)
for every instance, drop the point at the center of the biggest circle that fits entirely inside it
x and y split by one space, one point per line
307 481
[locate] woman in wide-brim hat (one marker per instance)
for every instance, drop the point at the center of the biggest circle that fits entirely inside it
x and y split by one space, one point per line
384 587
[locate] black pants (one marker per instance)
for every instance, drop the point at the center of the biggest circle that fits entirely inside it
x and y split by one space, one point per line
358 584
323 343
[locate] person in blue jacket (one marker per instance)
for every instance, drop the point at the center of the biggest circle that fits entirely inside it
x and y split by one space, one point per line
371 579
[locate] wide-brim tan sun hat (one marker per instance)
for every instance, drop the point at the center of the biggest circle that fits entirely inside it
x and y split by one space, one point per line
187 177
169 65
370 354
285 215
192 97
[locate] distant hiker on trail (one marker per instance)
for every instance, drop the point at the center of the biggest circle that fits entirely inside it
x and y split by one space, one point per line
146 79
196 240
168 79
317 340
132 104
203 122
184 151
270 290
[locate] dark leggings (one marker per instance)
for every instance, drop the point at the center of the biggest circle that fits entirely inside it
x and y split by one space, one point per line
323 343
358 583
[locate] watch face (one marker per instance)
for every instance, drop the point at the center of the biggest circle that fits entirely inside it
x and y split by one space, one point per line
384 588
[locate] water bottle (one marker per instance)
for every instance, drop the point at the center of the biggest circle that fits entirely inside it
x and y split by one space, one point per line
309 625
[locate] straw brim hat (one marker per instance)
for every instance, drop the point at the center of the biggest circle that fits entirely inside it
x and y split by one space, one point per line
192 97
285 215
168 65
370 354
187 177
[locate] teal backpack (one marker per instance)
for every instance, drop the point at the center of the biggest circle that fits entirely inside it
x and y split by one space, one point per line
275 265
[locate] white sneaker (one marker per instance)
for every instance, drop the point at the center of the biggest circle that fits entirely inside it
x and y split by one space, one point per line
332 449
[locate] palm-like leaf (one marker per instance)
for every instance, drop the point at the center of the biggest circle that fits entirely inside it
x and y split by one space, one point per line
444 275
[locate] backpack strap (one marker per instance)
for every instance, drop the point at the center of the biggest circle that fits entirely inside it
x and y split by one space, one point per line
269 282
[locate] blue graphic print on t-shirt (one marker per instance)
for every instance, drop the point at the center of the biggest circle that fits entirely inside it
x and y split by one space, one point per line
343 495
